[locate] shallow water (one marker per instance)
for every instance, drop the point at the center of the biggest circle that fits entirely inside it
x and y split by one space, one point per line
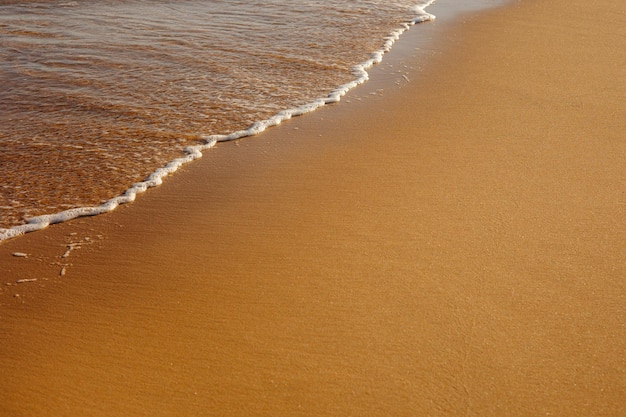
97 94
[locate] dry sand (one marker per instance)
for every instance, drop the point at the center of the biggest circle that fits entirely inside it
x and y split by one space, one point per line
453 245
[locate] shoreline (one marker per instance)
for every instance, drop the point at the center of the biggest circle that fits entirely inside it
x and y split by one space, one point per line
451 244
193 152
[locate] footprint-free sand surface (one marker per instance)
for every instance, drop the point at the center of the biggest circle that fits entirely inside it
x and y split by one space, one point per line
449 240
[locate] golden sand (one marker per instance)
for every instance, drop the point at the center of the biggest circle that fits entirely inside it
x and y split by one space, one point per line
451 245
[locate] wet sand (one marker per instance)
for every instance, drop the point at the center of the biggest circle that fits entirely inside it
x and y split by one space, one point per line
450 240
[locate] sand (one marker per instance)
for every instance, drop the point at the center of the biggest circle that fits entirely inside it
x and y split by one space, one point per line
450 240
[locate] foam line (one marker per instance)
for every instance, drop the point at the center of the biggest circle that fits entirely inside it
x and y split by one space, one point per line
359 71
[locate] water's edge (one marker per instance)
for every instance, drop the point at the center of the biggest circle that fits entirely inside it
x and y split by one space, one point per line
194 152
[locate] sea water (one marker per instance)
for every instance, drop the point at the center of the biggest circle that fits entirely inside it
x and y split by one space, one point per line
100 99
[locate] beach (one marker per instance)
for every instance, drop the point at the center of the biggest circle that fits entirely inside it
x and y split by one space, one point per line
448 240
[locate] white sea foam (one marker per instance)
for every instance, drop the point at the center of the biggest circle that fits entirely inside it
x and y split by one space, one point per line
359 71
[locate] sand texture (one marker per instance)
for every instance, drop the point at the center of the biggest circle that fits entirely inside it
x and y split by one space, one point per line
450 240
